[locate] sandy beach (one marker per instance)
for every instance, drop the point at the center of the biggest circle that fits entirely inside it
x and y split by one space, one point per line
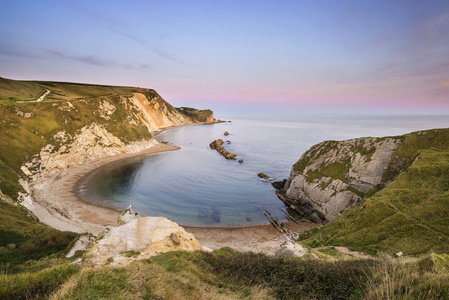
60 205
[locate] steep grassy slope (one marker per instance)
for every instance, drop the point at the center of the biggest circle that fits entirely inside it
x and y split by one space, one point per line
411 214
28 127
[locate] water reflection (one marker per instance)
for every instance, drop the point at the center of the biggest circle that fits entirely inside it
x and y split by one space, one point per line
124 176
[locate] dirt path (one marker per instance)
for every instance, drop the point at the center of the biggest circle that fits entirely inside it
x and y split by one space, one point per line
41 98
346 251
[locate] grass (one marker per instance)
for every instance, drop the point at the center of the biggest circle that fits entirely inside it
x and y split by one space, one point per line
405 278
23 138
14 90
36 285
69 107
410 215
195 114
32 240
336 170
311 154
228 274
177 275
223 274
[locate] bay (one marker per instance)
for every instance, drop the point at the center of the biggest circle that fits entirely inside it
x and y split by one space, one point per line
196 186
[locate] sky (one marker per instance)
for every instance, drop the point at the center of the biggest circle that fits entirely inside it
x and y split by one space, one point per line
241 57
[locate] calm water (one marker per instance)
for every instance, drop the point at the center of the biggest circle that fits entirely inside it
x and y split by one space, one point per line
196 186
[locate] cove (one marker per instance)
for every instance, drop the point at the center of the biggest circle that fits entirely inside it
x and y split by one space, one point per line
196 186
193 186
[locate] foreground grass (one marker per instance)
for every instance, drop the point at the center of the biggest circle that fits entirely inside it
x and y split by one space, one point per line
410 215
410 278
23 239
228 274
224 274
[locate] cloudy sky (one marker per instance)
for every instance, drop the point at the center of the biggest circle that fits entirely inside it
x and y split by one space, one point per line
292 57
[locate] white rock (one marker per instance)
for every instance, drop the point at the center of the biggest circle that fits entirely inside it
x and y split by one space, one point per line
81 244
148 235
127 216
78 262
331 196
288 249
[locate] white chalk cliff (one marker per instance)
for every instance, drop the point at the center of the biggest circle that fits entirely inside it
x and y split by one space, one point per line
114 125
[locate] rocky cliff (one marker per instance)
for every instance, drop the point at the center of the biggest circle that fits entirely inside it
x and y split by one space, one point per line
47 127
333 175
409 215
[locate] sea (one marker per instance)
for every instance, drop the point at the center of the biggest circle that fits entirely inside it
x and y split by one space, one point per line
196 186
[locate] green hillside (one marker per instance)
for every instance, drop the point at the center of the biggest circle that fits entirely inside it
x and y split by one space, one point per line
411 215
12 91
23 137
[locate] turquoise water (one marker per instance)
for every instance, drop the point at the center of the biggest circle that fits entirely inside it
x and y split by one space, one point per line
196 186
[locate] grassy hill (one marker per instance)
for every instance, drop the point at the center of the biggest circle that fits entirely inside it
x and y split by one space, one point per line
410 215
12 91
27 126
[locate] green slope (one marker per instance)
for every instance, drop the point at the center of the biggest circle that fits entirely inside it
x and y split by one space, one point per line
14 90
24 137
411 214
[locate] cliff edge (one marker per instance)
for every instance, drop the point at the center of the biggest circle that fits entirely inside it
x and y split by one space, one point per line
333 175
376 194
49 127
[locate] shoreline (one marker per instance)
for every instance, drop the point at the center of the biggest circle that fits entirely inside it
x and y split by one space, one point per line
60 205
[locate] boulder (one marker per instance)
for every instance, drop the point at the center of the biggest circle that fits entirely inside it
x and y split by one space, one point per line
81 244
147 235
226 133
289 249
127 216
263 175
279 185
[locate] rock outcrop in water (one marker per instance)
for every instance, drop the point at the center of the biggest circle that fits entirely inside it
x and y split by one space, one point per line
263 176
218 145
331 176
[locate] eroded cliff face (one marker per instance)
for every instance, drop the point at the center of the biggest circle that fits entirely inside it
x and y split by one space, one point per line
331 176
42 140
